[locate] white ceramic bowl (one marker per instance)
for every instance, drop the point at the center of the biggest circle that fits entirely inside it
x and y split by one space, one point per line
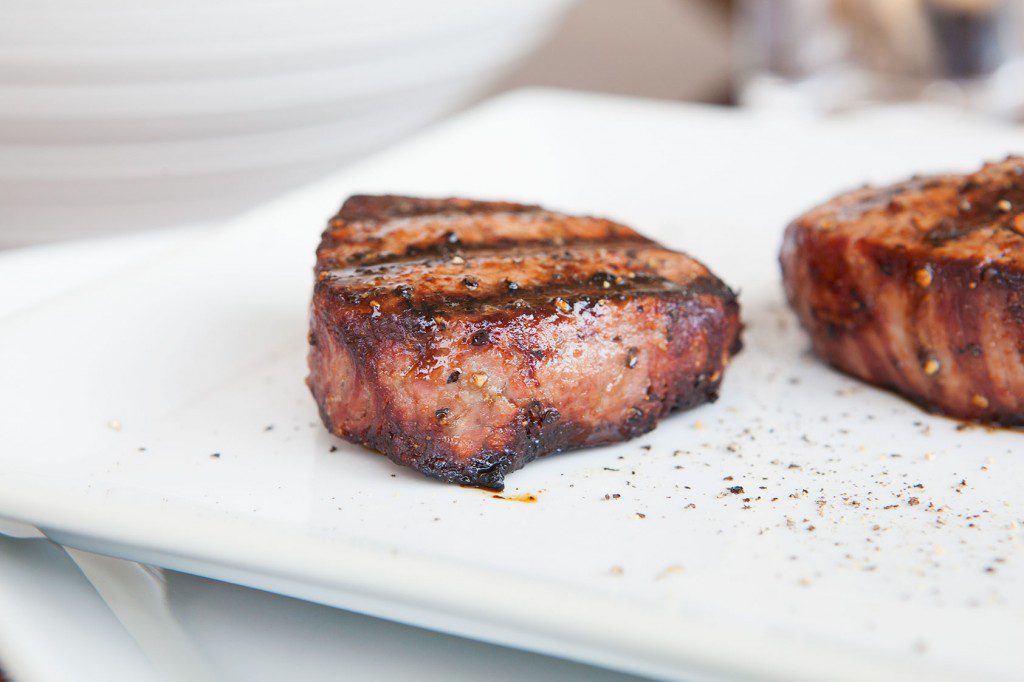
169 112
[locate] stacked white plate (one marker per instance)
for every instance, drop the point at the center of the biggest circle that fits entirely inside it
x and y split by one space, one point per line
117 115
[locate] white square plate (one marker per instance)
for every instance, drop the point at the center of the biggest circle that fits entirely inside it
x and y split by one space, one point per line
115 398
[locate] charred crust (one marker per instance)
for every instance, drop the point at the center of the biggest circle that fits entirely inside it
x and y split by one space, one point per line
948 230
489 471
448 246
572 291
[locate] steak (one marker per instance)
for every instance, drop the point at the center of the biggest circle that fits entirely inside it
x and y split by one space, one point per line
919 287
467 338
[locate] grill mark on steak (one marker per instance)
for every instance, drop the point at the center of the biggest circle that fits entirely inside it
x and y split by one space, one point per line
894 283
440 249
565 332
487 277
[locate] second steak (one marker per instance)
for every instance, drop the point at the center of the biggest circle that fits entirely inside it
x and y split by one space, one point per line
919 287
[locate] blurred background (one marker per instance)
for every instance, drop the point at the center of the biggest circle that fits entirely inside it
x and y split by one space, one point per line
160 113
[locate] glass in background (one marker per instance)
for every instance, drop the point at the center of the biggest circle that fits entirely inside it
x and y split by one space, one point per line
825 56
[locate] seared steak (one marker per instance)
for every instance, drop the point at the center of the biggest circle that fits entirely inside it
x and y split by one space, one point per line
466 338
919 287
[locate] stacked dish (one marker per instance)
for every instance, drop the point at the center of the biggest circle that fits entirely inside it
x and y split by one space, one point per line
166 112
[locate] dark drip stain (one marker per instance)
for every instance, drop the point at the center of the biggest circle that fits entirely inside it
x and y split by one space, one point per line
528 498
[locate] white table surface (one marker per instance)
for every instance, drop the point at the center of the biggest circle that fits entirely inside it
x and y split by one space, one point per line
55 627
